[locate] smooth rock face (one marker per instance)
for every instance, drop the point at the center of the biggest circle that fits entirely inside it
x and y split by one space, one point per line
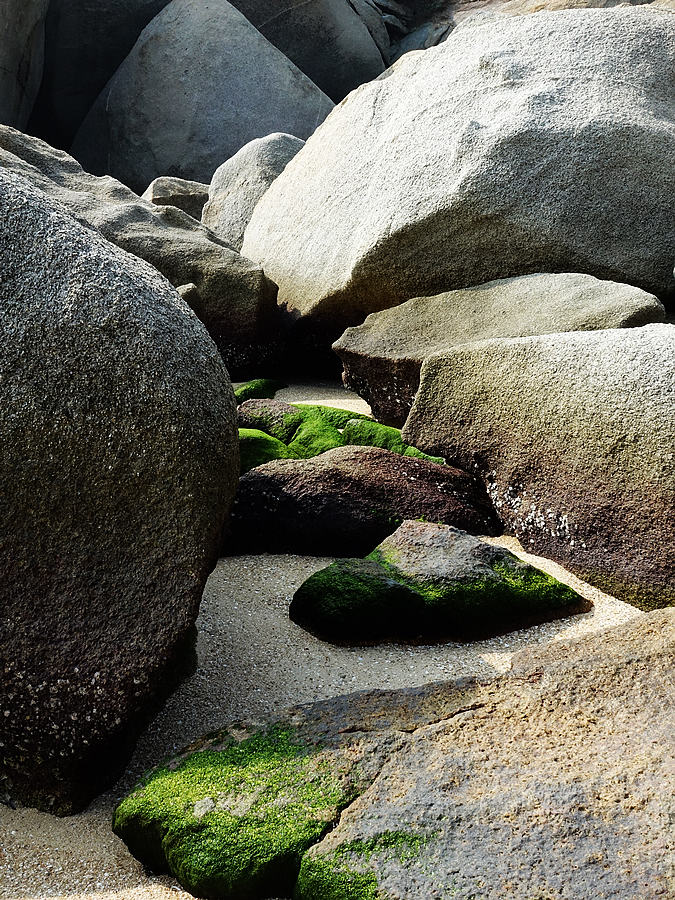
485 157
326 39
345 501
382 358
430 582
553 781
190 196
240 182
22 34
119 464
85 42
200 83
231 295
573 435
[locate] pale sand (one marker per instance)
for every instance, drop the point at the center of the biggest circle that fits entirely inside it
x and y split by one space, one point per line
252 662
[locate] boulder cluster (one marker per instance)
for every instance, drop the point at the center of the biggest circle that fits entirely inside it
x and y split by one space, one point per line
469 208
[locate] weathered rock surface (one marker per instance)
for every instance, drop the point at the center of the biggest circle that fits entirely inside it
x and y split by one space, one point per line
497 789
326 39
119 464
199 84
382 358
22 34
190 196
232 296
549 782
485 157
85 42
240 182
345 501
274 417
430 582
573 434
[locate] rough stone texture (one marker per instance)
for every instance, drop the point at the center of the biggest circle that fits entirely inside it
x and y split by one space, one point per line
573 435
190 196
485 157
240 182
279 419
382 358
345 501
119 465
22 32
326 39
200 83
85 42
232 296
553 781
430 582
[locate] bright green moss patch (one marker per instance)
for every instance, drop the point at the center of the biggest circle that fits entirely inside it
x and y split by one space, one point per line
258 388
257 448
314 436
233 823
331 415
366 433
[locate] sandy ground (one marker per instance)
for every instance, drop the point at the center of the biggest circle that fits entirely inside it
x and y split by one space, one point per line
252 662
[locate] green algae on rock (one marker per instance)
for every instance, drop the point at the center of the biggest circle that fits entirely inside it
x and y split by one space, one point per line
274 417
366 433
257 448
264 388
314 435
332 415
433 582
232 819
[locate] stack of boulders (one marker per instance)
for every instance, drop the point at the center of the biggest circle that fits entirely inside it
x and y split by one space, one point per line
482 233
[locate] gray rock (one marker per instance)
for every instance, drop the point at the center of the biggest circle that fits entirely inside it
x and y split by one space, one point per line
200 83
190 196
573 435
348 499
553 781
328 40
22 35
85 43
382 358
372 19
240 182
430 582
119 463
485 157
230 295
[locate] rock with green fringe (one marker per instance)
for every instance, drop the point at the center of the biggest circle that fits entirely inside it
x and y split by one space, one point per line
264 388
257 448
314 435
430 582
366 433
274 417
332 415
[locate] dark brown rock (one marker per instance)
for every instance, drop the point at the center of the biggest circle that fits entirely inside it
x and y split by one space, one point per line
119 463
347 500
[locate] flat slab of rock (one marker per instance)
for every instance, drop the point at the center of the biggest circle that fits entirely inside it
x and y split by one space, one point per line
479 159
119 464
199 84
232 296
345 501
190 196
560 770
382 358
240 182
430 582
573 435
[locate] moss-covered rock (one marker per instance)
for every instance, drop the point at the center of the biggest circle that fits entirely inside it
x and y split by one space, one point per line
232 821
352 599
257 448
366 433
314 435
431 581
274 417
264 388
332 415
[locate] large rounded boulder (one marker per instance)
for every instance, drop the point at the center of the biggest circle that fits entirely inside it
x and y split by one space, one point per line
573 436
532 143
200 83
22 27
119 464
